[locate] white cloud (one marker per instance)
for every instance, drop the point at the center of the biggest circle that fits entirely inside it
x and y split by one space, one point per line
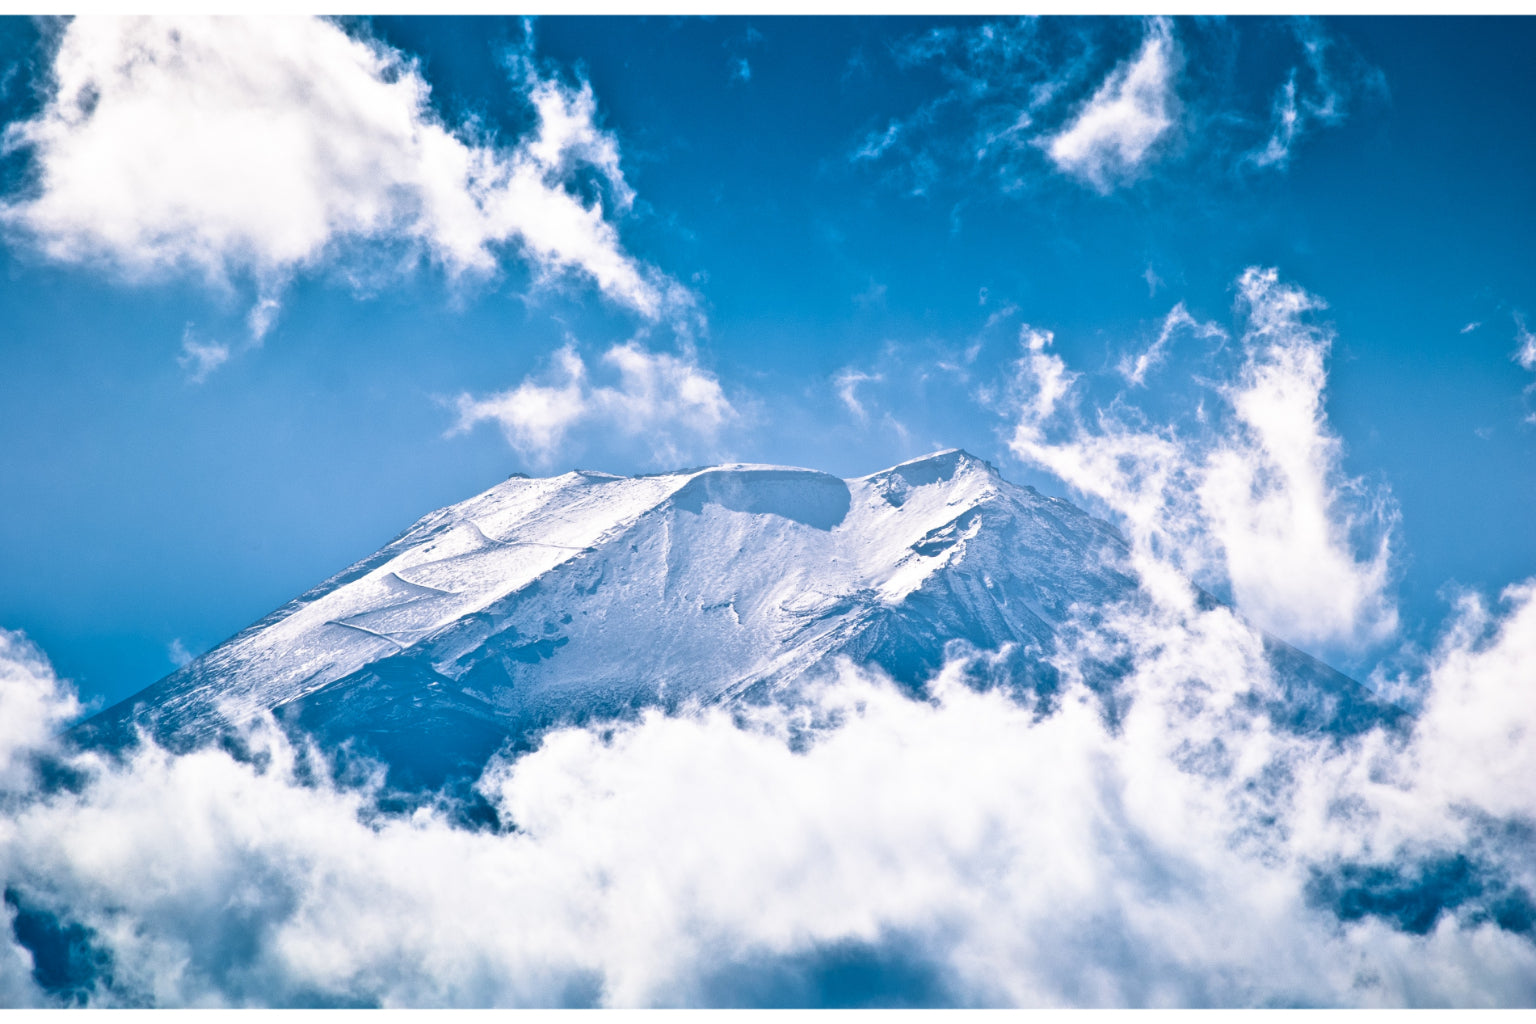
1287 122
999 75
876 143
1254 492
1135 370
1469 328
657 397
259 148
1525 341
1020 102
847 382
1043 378
177 652
962 849
1114 137
33 706
199 358
1321 97
1474 736
1276 497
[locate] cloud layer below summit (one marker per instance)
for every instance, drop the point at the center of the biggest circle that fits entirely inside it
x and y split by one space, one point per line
853 845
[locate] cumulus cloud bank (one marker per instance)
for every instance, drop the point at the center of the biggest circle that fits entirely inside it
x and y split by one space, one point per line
851 844
669 400
250 150
1254 497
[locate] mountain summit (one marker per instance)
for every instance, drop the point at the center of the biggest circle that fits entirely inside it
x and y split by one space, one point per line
548 601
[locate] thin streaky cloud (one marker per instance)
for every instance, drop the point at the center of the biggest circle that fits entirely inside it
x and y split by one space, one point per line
201 358
847 383
1135 368
1317 92
1525 341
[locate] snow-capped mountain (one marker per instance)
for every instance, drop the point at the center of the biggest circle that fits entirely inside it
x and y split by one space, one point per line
543 601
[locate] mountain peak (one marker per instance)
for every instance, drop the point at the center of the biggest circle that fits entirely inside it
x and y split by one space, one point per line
547 600
937 465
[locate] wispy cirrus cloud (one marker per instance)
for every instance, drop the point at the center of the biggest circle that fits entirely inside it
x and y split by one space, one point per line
1525 355
847 381
1525 344
257 149
888 394
200 358
1135 368
999 77
1246 491
1031 99
1316 93
876 143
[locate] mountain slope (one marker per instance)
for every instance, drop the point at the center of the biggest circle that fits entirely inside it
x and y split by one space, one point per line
556 600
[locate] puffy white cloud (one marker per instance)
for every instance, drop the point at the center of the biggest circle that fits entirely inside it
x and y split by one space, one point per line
960 849
1115 136
257 148
660 397
33 705
1255 497
1475 733
1043 376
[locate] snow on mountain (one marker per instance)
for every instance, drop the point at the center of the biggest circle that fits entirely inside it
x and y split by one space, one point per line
545 601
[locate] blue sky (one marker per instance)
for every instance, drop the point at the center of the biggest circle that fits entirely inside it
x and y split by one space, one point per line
256 316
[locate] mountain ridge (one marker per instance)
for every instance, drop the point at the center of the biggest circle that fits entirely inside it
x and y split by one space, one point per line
546 601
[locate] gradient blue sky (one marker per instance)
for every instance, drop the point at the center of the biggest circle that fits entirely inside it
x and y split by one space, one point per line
848 220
